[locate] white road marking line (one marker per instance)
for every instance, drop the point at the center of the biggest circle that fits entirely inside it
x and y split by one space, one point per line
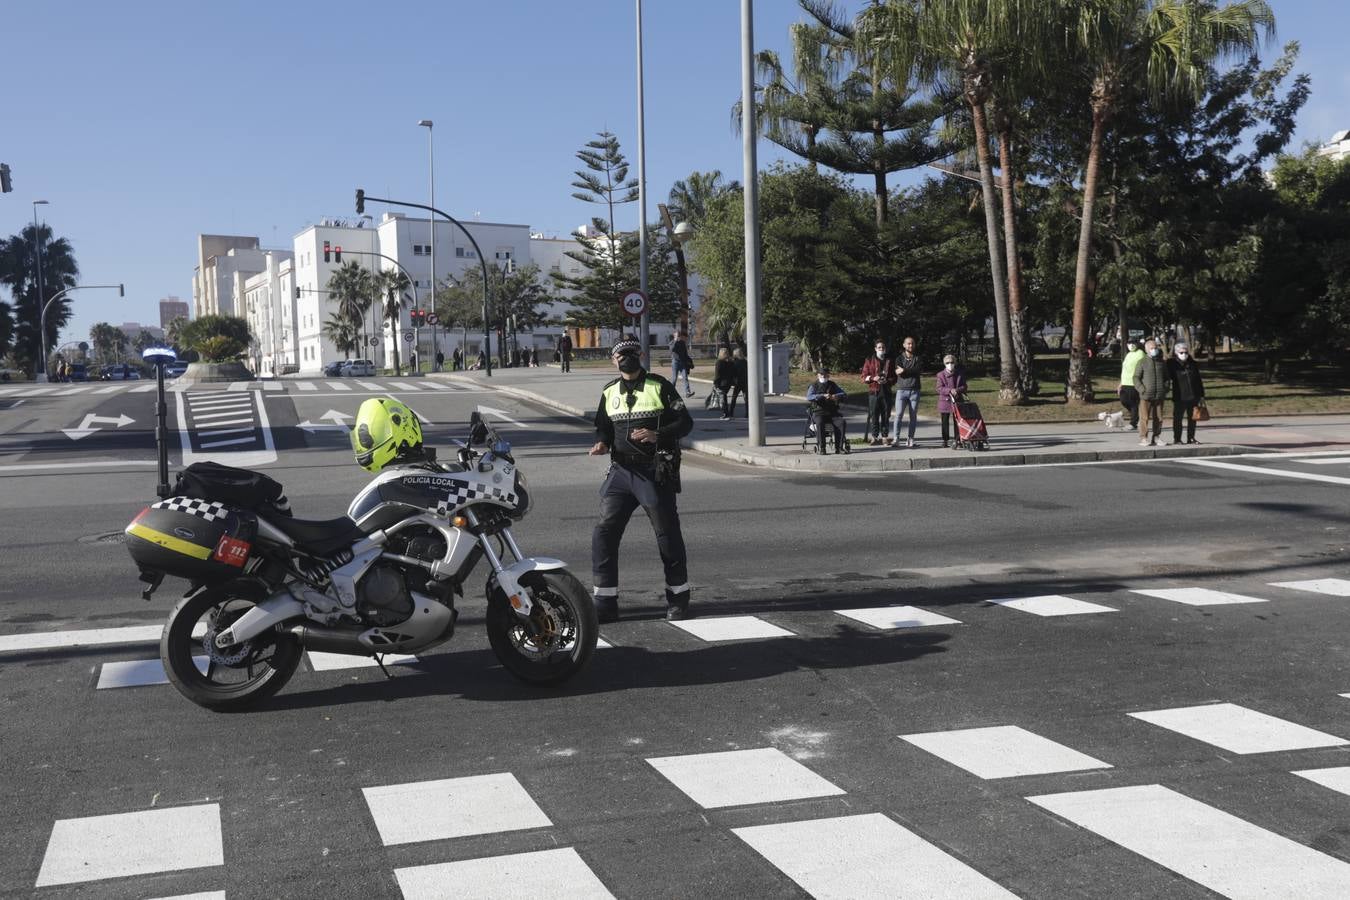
33 392
1053 605
442 386
742 777
339 386
1213 848
1335 587
1327 461
138 843
889 617
1200 596
143 388
239 386
138 673
1337 778
248 419
203 895
218 400
423 419
202 434
110 389
731 628
327 662
1238 729
405 386
306 385
46 640
198 417
74 390
371 386
230 443
1003 751
1256 470
79 465
273 386
502 877
452 807
9 390
239 458
867 857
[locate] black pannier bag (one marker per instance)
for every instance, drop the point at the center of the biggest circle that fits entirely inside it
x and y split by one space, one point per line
200 540
240 488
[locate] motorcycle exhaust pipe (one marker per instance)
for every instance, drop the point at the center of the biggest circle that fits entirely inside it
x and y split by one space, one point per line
330 640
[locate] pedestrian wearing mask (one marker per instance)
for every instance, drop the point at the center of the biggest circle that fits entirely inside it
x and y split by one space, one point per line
1188 391
879 376
638 424
951 383
1151 380
1129 397
824 397
741 386
907 391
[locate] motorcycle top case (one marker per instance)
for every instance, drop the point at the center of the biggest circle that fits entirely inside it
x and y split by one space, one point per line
200 540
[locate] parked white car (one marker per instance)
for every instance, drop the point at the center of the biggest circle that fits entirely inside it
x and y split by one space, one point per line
355 368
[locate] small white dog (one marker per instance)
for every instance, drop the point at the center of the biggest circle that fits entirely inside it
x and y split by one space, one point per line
1112 421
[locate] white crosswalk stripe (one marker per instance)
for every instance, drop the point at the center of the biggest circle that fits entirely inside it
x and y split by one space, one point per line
1335 587
1228 855
1238 729
1004 751
502 877
306 385
731 628
136 843
887 617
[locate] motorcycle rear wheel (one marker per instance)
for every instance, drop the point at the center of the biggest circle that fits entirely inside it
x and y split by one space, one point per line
567 628
264 664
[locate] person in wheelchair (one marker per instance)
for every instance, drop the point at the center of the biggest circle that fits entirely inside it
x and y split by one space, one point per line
824 397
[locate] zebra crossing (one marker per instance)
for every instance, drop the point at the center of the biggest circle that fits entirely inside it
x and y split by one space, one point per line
867 854
427 385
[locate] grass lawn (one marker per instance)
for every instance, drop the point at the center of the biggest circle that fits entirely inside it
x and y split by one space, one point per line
1233 387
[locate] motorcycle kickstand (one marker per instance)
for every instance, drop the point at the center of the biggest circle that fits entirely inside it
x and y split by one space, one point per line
379 661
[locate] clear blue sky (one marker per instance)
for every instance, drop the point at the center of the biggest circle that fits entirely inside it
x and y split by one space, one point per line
145 123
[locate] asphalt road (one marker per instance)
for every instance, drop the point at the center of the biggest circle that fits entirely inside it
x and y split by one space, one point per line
834 758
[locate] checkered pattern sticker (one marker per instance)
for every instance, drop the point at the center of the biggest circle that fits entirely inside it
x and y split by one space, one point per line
463 493
206 509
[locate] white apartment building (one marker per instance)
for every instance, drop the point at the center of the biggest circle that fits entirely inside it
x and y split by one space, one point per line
270 306
1338 148
220 257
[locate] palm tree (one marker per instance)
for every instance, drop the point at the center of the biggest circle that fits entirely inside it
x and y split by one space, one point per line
392 284
110 342
356 291
688 201
959 40
343 332
17 271
174 332
1165 47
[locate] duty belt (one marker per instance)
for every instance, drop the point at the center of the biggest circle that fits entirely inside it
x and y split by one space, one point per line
633 459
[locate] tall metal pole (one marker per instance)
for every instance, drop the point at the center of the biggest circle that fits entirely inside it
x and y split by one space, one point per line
754 352
41 370
431 221
645 329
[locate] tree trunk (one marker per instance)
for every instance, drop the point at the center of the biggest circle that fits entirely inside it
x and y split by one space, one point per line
878 141
1009 390
1080 382
394 328
1016 312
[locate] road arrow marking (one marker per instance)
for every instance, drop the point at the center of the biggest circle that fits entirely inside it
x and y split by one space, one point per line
501 414
336 417
85 429
336 420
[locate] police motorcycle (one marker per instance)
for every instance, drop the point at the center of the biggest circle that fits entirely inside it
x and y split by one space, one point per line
384 578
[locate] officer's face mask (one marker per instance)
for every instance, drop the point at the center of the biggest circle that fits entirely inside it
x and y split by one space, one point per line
629 363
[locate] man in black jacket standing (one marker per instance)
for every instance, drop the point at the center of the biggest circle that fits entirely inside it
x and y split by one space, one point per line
639 423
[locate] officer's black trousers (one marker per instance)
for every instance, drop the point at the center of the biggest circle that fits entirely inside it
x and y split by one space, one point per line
625 489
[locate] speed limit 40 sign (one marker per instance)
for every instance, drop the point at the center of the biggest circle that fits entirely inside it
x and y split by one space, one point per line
634 303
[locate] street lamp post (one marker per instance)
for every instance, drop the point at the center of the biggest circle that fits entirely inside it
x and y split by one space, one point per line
42 316
41 370
431 177
361 199
645 327
754 354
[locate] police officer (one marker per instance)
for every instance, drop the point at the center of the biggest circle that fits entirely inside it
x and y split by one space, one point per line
639 423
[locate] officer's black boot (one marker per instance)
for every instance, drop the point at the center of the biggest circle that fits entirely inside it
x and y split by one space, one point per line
677 606
607 609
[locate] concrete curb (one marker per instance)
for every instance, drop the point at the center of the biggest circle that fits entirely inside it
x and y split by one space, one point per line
894 461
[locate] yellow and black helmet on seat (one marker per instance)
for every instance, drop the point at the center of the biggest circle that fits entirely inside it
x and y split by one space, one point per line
384 431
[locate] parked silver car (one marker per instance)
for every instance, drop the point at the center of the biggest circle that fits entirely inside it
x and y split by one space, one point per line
357 368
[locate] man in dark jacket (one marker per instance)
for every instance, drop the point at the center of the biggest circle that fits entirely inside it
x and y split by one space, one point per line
1188 391
878 373
1151 380
824 397
639 423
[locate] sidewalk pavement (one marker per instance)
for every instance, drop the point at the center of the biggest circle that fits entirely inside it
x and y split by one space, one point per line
577 393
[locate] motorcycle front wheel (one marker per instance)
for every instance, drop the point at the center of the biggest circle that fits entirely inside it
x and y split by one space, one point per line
560 636
223 679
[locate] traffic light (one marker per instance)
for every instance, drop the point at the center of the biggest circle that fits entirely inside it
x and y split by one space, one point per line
337 255
360 200
417 317
6 186
327 252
